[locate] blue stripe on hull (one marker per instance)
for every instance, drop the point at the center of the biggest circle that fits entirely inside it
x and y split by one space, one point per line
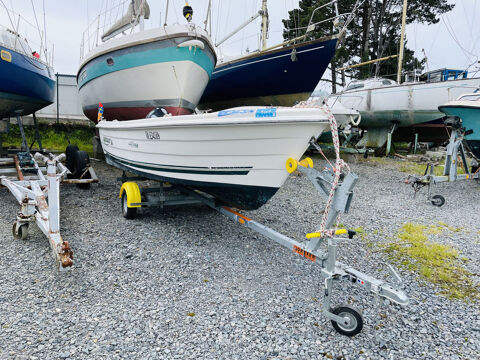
146 54
274 73
24 83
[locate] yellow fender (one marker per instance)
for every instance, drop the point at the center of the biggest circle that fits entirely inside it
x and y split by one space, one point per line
133 194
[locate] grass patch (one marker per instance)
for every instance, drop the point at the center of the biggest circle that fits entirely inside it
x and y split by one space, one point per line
435 263
54 137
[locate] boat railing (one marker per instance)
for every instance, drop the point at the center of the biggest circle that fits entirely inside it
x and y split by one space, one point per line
101 23
92 35
26 38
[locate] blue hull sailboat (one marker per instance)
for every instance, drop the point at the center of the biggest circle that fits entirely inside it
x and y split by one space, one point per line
27 83
277 77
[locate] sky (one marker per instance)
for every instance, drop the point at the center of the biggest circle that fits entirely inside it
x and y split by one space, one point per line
454 42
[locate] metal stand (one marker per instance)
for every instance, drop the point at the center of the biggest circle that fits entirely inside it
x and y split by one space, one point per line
39 194
345 319
455 150
4 129
37 134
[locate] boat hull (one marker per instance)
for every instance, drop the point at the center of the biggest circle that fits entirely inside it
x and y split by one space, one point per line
405 104
275 77
26 84
132 76
470 115
234 155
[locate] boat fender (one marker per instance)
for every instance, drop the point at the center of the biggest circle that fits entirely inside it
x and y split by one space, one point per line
356 123
192 43
133 194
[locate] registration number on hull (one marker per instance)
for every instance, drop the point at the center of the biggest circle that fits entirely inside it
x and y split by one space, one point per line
152 135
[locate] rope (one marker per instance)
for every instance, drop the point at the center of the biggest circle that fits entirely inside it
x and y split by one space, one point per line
337 169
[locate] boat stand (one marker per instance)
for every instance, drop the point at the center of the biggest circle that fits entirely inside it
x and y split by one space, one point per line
455 152
345 319
38 194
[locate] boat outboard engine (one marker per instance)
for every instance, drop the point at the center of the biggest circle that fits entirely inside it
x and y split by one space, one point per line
157 112
187 12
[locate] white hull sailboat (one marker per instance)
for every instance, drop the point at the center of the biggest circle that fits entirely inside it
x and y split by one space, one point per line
135 73
236 155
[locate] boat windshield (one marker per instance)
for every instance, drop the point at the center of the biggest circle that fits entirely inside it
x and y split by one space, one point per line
470 97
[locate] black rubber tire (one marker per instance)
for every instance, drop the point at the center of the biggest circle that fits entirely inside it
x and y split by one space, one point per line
22 231
70 153
128 213
438 200
355 317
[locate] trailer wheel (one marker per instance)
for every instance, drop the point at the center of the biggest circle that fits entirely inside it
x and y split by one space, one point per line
81 162
354 316
128 213
438 200
22 231
70 153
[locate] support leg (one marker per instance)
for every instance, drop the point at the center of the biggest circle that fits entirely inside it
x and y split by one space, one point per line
415 145
37 134
22 133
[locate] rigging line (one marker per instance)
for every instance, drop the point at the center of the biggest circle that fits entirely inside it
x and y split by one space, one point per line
452 34
218 20
45 33
8 14
36 20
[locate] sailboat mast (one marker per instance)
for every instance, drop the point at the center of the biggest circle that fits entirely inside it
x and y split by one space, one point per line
264 24
402 42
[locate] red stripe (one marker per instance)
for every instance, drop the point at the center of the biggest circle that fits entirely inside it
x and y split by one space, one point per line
131 113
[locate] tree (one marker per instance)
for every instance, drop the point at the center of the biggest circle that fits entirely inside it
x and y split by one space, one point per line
374 32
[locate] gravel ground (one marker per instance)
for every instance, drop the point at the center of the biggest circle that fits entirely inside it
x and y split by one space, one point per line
188 283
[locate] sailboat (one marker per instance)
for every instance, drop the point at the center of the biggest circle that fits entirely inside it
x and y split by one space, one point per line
27 81
280 75
135 73
390 108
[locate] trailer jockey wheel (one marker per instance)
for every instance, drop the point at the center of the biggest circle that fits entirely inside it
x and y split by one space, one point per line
355 323
128 213
22 231
438 200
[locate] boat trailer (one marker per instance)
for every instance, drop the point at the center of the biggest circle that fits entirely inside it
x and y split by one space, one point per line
37 190
320 248
455 153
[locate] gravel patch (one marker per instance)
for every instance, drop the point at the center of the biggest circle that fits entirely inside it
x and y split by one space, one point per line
187 283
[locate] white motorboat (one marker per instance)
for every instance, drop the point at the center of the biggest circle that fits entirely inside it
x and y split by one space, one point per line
237 155
132 74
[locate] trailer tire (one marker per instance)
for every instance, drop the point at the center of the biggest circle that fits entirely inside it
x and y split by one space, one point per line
127 212
70 153
355 317
438 200
81 163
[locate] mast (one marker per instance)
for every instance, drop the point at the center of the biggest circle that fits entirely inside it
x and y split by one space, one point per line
264 24
402 41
